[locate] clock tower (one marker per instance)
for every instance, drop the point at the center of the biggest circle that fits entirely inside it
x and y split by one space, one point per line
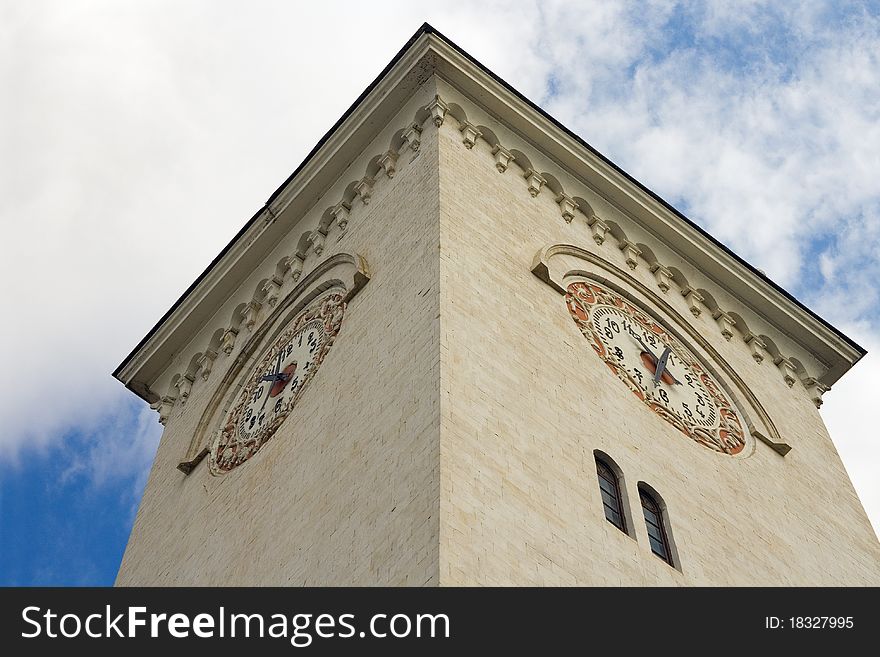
458 346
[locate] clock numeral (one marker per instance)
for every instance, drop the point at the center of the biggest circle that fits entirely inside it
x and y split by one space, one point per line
618 352
664 396
278 405
638 374
688 412
257 394
611 327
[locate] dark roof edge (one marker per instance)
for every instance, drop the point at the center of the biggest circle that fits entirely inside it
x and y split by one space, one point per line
426 28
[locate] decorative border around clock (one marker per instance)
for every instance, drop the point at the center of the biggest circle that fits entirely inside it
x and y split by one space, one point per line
558 275
582 296
346 271
330 309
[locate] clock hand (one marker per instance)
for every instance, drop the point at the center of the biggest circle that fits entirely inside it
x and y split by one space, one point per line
647 350
274 375
661 365
661 368
281 376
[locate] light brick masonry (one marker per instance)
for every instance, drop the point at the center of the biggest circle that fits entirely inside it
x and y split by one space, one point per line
449 435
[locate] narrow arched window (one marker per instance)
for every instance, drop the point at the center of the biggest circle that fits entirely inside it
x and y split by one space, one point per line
609 486
654 521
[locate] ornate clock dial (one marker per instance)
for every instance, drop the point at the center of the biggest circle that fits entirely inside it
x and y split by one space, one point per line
271 390
658 368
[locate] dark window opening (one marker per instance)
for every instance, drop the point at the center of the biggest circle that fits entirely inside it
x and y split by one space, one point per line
654 522
609 486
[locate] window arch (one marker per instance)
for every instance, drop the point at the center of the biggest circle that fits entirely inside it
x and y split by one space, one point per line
612 493
658 536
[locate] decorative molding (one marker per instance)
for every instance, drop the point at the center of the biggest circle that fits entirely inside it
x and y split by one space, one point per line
293 265
631 252
815 389
789 371
693 300
184 386
163 406
227 342
206 363
756 345
599 230
567 205
388 162
535 182
249 314
469 134
662 275
412 136
503 157
833 351
316 239
340 213
270 290
438 109
725 322
364 189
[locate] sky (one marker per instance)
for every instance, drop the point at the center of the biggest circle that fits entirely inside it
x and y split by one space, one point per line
136 138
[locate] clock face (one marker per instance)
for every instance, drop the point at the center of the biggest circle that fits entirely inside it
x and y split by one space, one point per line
270 390
659 370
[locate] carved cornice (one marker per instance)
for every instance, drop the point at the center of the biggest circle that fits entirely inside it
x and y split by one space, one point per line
426 55
828 346
695 299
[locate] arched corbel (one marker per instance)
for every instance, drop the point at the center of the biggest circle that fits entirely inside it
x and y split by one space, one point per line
206 360
599 229
437 108
388 162
534 180
412 136
567 206
693 299
364 189
469 134
503 157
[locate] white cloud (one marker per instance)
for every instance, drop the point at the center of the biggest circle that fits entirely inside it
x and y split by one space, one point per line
137 139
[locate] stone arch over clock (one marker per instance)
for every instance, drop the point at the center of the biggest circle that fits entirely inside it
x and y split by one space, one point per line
276 364
653 334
